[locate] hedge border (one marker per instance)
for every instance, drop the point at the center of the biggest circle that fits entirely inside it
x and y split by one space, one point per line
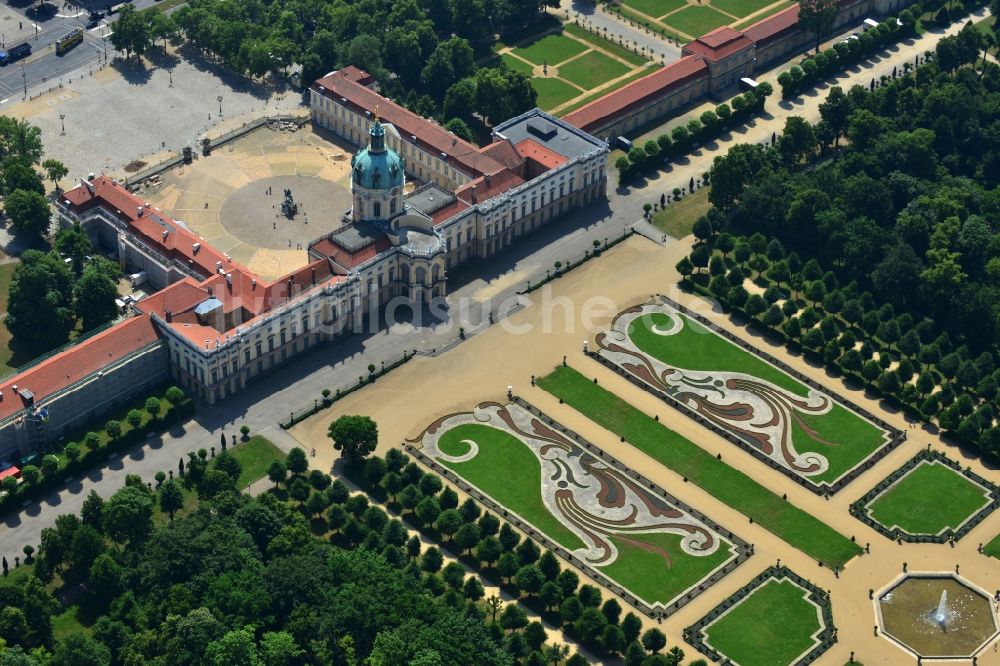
896 436
695 634
656 611
859 509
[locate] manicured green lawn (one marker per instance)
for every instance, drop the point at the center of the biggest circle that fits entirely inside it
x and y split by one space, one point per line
678 219
928 499
655 8
604 44
763 15
645 71
553 92
771 627
255 456
6 273
506 470
649 575
729 485
592 69
510 473
552 49
993 547
517 64
741 8
695 347
697 20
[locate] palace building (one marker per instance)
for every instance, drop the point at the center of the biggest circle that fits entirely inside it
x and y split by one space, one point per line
214 326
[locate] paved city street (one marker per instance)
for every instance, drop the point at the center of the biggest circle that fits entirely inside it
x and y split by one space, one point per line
339 365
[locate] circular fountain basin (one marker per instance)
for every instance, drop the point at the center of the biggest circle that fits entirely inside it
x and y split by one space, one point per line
937 616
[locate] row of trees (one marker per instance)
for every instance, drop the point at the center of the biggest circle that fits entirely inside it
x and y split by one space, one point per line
846 53
683 138
892 266
481 541
53 468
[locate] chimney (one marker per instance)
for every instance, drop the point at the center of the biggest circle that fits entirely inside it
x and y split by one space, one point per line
169 316
196 247
474 198
314 275
207 343
138 211
218 266
165 232
253 283
487 177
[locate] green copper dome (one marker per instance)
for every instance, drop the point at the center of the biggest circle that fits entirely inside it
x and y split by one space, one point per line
377 167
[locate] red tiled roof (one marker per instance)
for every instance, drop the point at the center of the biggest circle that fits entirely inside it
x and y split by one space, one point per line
10 471
636 94
774 26
349 259
357 75
69 366
505 153
487 187
177 243
449 211
533 150
718 44
178 297
431 137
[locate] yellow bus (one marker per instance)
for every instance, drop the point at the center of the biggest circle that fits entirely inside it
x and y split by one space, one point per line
64 44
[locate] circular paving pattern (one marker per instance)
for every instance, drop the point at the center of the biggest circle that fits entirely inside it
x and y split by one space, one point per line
252 213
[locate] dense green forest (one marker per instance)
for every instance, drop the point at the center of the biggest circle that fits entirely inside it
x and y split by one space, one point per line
305 573
881 255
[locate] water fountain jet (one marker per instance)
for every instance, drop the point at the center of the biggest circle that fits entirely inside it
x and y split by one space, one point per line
941 614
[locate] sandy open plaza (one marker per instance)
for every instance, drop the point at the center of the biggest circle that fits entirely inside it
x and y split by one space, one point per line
555 324
232 198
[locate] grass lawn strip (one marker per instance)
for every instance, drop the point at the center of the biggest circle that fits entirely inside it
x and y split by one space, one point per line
553 92
501 453
730 486
642 571
652 562
517 64
592 69
915 503
677 219
655 8
583 101
855 440
771 11
604 45
695 347
772 626
551 49
697 20
741 8
993 547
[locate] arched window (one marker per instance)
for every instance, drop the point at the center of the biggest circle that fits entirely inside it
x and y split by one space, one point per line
421 274
392 206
